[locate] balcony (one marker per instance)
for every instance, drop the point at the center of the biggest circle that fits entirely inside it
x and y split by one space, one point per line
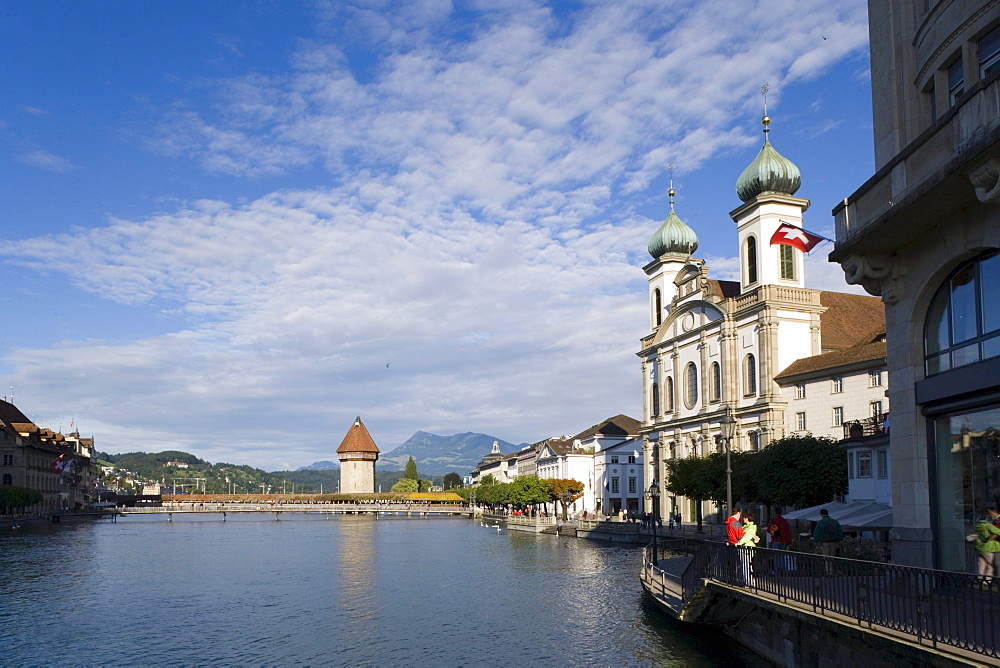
872 427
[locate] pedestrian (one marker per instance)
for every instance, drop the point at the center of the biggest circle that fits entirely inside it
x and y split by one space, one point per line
679 527
747 542
734 527
779 531
671 523
987 538
827 534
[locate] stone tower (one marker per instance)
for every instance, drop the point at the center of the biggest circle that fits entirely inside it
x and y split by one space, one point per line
357 454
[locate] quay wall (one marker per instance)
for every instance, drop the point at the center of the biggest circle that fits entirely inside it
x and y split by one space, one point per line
791 636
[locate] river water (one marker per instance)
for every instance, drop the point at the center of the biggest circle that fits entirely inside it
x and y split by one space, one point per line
330 590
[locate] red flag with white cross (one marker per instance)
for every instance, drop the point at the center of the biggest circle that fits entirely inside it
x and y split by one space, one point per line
790 235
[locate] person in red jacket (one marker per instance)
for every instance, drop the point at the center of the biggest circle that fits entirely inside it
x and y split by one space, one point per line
781 533
734 527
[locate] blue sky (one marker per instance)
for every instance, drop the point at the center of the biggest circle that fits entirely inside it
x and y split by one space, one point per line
229 228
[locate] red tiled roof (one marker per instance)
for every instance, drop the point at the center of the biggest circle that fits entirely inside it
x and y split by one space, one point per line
867 352
619 425
849 319
358 439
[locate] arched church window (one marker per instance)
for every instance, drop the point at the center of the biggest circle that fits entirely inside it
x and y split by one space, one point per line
787 258
749 375
658 305
656 400
963 320
716 377
751 247
670 394
691 385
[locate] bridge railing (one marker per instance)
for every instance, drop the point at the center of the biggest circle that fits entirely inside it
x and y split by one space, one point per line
941 607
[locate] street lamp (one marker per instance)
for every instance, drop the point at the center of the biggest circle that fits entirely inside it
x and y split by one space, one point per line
653 494
727 426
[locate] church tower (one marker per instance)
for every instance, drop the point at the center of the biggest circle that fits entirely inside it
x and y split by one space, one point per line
357 454
767 187
671 247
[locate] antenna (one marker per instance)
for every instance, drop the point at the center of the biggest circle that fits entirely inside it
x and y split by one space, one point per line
763 91
671 192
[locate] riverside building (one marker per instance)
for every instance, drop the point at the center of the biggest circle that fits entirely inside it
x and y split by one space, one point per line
923 233
718 347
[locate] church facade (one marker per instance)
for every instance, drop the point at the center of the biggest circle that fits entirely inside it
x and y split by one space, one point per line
716 347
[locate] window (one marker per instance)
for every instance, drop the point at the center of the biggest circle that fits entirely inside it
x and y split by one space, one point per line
837 386
838 416
658 305
754 438
956 81
787 259
963 322
749 376
800 421
631 459
875 378
800 391
876 408
614 486
865 464
716 389
655 408
7 479
751 247
989 53
631 485
8 460
882 457
614 459
691 380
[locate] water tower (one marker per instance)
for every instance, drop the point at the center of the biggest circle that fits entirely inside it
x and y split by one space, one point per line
357 454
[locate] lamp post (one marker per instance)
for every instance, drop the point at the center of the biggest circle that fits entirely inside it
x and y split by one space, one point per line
727 426
653 494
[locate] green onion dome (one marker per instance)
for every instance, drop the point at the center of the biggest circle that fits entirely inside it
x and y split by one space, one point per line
770 172
673 236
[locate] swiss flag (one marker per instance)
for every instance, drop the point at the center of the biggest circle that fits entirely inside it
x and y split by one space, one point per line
789 235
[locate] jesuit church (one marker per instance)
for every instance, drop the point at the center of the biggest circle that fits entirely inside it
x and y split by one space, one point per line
721 346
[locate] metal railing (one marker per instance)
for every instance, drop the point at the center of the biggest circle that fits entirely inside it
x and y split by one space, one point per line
943 607
871 426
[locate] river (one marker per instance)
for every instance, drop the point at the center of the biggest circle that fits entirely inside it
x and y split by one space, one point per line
330 590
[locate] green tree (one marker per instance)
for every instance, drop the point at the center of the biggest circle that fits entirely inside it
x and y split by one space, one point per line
451 481
800 471
530 490
411 470
13 496
565 491
697 478
406 486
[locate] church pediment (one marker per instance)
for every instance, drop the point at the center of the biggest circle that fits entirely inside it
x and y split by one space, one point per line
688 317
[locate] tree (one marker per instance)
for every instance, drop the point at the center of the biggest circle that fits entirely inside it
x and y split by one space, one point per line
13 496
406 486
801 471
697 478
411 470
529 490
451 481
565 491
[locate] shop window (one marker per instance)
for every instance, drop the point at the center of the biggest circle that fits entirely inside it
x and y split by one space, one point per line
963 320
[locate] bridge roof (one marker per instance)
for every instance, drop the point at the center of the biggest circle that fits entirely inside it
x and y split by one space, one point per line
358 439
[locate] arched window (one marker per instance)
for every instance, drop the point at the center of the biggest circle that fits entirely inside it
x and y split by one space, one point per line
691 385
716 390
656 400
754 439
670 394
787 257
749 376
963 321
751 260
7 479
658 305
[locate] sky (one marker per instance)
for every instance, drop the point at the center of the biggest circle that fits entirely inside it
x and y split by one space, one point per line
229 228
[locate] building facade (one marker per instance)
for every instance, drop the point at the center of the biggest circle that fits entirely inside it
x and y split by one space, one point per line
923 233
718 346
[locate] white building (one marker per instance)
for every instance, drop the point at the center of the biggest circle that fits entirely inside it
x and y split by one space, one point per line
721 344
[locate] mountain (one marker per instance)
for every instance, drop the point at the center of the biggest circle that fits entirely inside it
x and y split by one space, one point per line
437 455
320 466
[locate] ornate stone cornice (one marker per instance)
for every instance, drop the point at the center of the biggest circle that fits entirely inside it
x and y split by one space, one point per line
986 180
879 274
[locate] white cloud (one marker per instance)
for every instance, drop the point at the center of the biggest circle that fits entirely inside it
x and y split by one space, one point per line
50 162
478 238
